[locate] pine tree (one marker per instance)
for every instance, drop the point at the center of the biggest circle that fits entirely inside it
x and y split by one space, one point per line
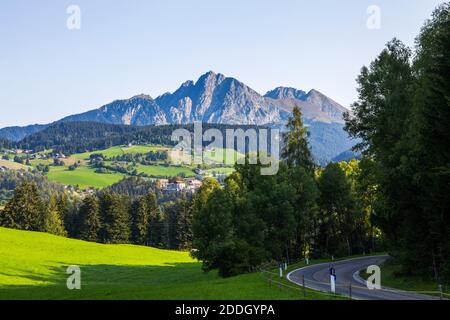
296 150
156 227
115 218
89 224
184 223
52 218
24 211
141 216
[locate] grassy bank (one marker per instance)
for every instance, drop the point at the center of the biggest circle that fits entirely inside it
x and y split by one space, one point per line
392 277
33 266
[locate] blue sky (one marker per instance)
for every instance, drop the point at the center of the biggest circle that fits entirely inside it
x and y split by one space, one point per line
130 47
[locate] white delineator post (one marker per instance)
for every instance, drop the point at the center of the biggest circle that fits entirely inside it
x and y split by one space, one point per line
333 280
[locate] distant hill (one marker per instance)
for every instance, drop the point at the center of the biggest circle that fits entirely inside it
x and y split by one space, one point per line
79 136
347 156
18 133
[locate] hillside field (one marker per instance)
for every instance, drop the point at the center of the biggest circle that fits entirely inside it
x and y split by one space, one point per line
33 266
12 165
121 150
83 176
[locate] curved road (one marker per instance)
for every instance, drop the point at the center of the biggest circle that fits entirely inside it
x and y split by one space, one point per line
317 277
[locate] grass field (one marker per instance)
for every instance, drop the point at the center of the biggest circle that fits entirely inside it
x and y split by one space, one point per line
225 171
170 171
33 266
13 165
120 150
83 176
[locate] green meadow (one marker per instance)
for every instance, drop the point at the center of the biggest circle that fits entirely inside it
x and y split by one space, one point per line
225 171
120 150
169 171
83 176
33 266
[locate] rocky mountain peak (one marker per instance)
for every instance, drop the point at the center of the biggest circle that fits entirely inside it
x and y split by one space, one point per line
285 93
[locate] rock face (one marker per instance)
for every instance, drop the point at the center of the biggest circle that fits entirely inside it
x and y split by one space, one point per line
217 99
139 110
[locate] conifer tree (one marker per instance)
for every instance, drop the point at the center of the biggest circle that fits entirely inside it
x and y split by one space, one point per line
296 151
141 214
115 218
24 211
89 219
52 221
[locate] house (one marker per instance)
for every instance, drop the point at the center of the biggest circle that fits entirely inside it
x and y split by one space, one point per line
178 185
162 183
195 183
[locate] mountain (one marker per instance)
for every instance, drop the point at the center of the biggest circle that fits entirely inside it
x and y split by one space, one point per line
314 104
347 156
285 93
18 133
139 110
217 99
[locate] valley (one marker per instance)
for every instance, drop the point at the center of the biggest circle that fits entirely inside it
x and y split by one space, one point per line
118 162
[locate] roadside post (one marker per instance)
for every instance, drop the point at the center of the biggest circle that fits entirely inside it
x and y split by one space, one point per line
333 280
307 260
304 289
285 266
281 270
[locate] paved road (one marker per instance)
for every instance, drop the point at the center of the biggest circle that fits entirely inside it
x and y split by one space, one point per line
317 277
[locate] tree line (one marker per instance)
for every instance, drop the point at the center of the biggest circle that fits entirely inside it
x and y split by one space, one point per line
105 217
402 118
79 137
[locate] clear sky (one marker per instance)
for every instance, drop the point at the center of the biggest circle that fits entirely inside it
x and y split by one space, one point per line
130 47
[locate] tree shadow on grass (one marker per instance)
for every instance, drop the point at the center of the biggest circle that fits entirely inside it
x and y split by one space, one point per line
105 281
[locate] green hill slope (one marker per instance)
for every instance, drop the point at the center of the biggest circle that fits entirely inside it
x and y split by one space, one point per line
33 266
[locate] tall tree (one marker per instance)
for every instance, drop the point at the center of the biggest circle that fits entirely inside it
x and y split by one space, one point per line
140 227
115 218
52 218
427 232
156 224
24 211
380 116
296 149
89 225
213 237
338 214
